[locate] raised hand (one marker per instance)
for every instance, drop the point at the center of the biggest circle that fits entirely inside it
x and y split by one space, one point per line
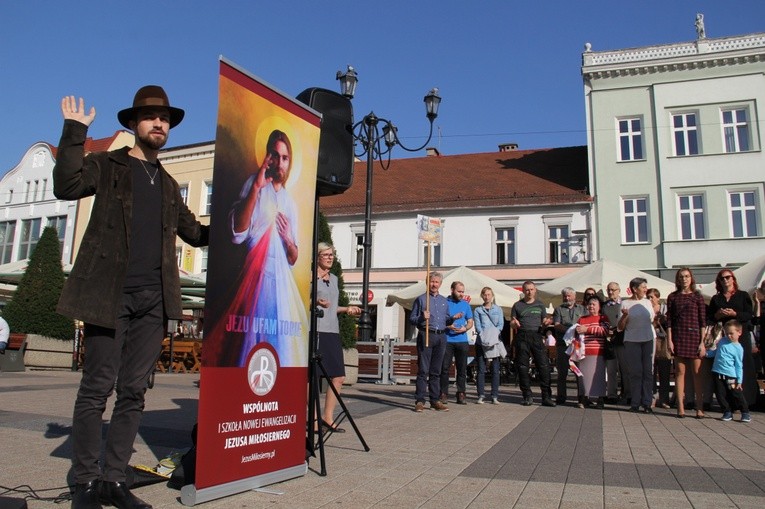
72 110
262 180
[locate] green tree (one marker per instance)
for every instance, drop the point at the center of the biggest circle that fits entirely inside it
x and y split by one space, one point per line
347 323
32 309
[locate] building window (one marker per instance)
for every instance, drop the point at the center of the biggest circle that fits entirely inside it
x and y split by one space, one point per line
691 209
9 198
30 234
358 251
208 199
7 235
184 189
685 131
735 130
28 189
635 220
203 258
357 248
504 244
435 254
630 139
59 223
557 244
743 214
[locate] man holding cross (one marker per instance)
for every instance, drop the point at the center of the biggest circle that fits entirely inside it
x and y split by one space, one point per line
429 314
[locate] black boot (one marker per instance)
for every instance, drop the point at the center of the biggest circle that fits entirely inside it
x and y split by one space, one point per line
117 494
86 495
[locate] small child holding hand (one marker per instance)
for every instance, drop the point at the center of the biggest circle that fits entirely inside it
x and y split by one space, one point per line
727 370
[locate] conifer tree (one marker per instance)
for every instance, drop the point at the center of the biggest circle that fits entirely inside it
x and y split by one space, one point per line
32 309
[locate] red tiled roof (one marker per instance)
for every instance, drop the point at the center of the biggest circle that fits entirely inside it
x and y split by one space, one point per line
520 177
92 145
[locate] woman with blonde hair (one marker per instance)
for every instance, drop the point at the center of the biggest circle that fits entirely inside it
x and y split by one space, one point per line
489 321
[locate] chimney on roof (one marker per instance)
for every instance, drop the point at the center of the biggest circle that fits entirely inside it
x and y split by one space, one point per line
432 151
508 147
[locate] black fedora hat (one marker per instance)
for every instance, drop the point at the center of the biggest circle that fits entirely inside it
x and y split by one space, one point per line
150 96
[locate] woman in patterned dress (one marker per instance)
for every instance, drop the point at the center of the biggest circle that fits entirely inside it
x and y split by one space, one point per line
686 317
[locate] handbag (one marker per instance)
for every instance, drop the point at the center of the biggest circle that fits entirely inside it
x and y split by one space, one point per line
712 333
662 345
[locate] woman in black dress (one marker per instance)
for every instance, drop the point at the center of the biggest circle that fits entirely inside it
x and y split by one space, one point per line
728 303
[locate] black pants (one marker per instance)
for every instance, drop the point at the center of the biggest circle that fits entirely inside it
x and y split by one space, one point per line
458 351
126 354
530 344
562 367
726 395
661 373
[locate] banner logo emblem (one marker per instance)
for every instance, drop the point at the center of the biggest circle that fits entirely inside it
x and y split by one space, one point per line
261 371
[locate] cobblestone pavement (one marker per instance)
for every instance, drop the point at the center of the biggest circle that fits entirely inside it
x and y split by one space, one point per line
473 456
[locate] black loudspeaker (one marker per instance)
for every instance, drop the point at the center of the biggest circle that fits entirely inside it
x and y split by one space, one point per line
334 174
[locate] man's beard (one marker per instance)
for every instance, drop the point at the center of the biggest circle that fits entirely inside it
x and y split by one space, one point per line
153 143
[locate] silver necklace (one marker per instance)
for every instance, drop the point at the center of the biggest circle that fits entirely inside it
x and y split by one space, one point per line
151 179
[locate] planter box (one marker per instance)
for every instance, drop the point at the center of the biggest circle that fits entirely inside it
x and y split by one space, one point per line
351 360
48 353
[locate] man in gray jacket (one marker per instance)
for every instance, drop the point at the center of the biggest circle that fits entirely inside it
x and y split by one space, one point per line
124 284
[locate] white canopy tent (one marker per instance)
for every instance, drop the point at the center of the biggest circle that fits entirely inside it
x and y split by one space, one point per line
597 275
504 296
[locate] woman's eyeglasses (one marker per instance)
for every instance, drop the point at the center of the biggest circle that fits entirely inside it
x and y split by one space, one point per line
726 277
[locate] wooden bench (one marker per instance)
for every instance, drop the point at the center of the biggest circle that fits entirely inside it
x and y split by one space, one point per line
370 359
186 356
13 358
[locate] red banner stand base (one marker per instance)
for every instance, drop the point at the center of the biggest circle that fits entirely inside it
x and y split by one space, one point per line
191 496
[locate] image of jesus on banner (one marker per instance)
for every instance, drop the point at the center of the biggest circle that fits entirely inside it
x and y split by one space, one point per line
265 219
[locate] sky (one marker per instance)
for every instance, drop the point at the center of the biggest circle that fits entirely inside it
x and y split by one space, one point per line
507 71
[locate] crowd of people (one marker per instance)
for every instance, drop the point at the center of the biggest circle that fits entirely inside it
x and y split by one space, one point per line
620 351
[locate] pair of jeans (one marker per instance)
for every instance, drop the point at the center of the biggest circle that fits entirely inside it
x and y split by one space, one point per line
481 379
429 361
639 356
128 355
459 352
530 344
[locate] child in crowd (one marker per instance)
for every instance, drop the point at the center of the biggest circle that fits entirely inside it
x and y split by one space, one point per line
727 371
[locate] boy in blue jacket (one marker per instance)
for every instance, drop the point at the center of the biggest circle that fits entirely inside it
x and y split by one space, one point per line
727 370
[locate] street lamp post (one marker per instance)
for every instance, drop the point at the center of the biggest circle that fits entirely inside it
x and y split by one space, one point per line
367 133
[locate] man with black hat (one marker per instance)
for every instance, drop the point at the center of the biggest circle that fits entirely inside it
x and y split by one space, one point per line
124 284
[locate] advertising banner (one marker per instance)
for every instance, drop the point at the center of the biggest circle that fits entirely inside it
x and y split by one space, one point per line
253 385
